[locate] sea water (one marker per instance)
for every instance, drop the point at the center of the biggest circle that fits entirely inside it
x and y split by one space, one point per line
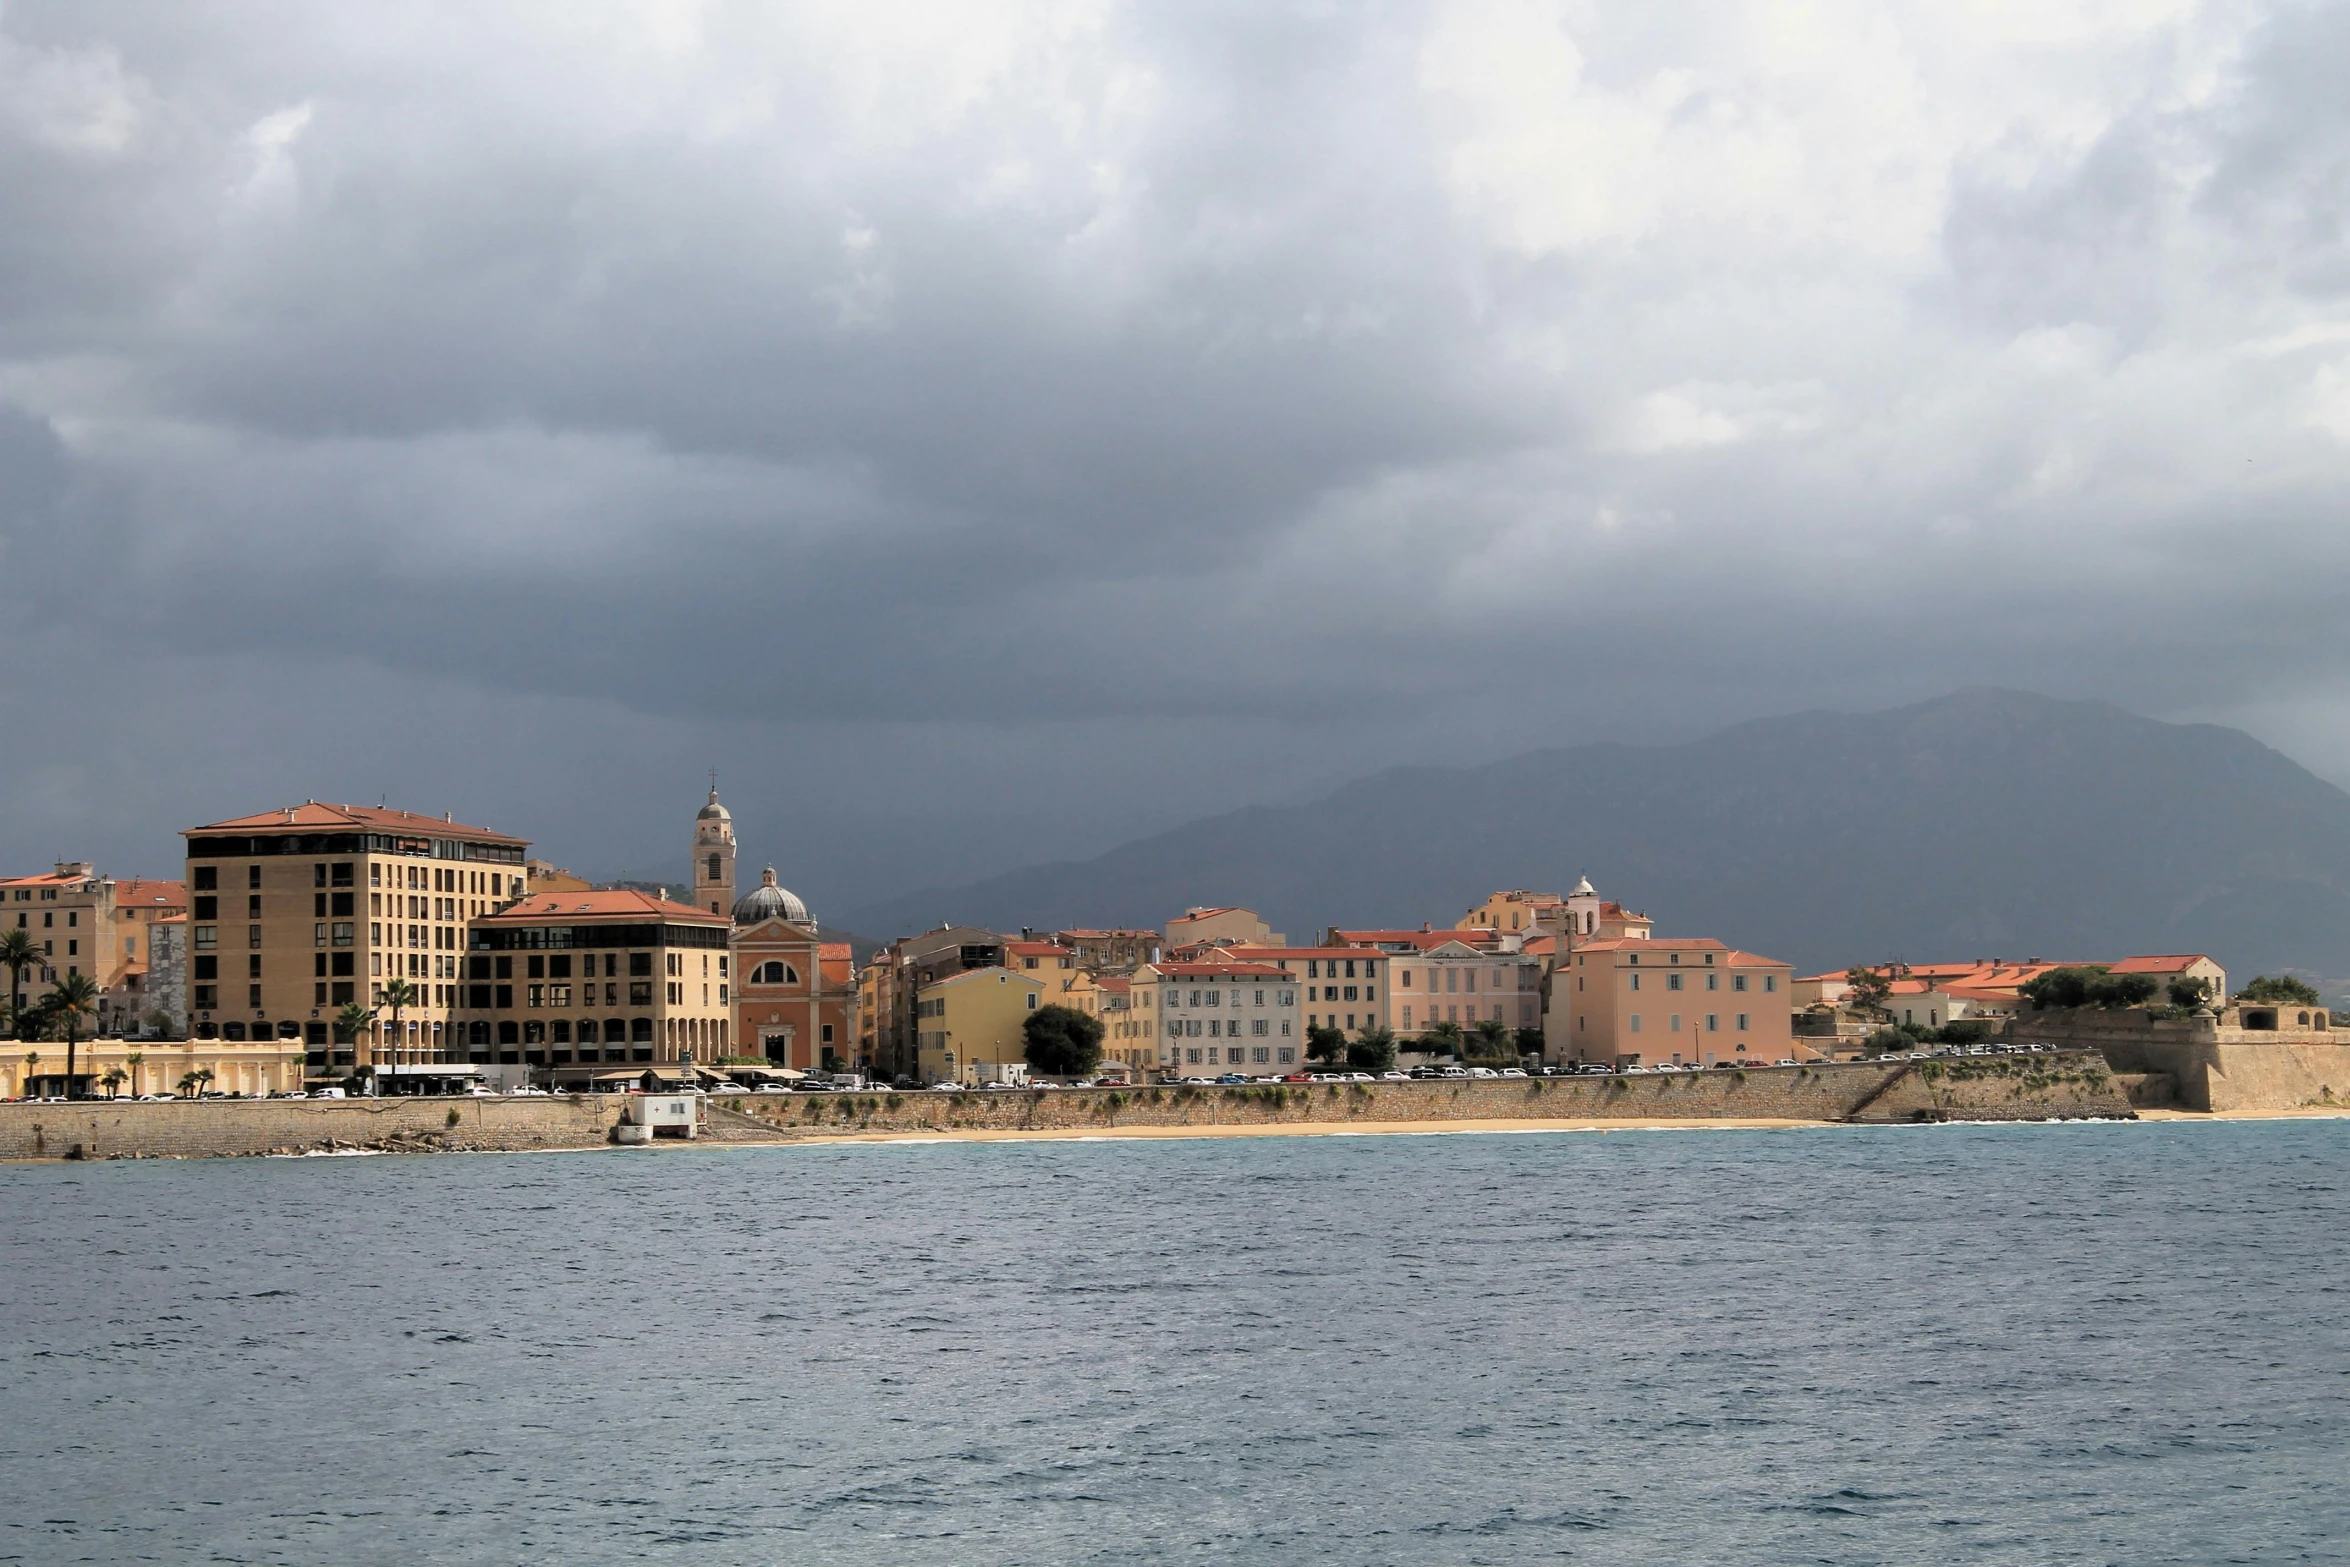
2122 1344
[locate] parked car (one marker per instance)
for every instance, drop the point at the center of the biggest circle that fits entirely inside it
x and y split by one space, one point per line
1232 1077
1395 1077
315 1093
1298 1077
1513 1071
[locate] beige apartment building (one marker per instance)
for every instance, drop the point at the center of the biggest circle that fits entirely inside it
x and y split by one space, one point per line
576 985
1344 987
295 913
1646 1001
1460 982
90 924
1111 951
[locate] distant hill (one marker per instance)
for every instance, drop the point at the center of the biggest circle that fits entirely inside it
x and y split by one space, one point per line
1985 823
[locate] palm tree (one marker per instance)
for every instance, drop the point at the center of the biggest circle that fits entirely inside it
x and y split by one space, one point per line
70 1000
32 1064
132 1061
1494 1042
353 1021
399 995
188 1083
113 1080
1443 1039
18 952
203 1077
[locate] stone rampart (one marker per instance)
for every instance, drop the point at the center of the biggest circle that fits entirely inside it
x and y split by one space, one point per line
2211 1062
1983 1088
1974 1088
202 1128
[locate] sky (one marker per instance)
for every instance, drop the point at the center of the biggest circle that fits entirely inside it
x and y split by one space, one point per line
988 431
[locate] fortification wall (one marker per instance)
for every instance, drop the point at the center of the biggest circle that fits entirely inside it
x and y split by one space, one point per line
1975 1088
1982 1088
202 1128
2210 1063
2274 1074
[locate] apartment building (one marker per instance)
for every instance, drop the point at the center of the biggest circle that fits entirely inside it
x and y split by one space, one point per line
1220 927
1111 951
295 913
1345 987
1461 982
1648 1001
1211 1017
972 1026
589 984
892 990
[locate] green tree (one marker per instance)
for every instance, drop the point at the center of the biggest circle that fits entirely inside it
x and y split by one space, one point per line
1061 1041
399 995
2062 987
1870 986
32 1066
1532 1041
1372 1050
113 1080
18 952
1442 1039
1324 1043
71 1000
2188 991
2282 990
1492 1044
188 1084
134 1061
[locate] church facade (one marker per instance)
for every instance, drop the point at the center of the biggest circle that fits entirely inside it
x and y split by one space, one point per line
794 992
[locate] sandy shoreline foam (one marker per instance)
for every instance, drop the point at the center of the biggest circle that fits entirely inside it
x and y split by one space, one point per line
1449 1128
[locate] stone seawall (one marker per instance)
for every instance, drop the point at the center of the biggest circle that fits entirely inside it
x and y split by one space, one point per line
1972 1089
2207 1064
1989 1088
204 1128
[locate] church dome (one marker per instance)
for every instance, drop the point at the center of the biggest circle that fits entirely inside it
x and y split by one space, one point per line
767 901
1583 889
713 812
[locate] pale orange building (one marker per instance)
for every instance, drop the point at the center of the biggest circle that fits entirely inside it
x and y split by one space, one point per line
796 1003
1681 1001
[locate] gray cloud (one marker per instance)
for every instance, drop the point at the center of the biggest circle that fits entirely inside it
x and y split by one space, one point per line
1035 421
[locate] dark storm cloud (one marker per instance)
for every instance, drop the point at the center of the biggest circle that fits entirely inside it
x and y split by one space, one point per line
1338 385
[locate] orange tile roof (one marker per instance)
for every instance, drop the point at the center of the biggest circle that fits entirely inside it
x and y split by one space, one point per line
2160 963
600 905
1037 949
312 814
1201 914
168 894
1740 958
1652 944
1116 984
835 949
1474 936
46 879
1220 971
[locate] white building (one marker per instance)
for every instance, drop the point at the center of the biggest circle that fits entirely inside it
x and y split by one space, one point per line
1213 1018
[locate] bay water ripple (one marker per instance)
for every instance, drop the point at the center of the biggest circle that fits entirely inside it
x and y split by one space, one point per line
2123 1344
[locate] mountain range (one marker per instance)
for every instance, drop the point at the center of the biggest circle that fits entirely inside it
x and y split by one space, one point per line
1983 823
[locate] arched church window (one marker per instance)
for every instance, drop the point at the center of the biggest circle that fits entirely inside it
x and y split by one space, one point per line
776 974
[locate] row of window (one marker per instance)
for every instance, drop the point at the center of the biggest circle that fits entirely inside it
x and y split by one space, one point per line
25 895
1241 1055
292 845
1217 1028
73 919
1713 1023
1215 998
1712 981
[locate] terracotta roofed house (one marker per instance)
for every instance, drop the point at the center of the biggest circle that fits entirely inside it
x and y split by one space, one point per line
1651 1001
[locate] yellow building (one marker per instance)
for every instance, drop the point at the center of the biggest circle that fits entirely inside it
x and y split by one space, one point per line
298 912
580 984
1517 911
249 1069
969 1026
91 924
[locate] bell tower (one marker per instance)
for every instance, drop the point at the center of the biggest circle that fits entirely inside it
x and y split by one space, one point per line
713 877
